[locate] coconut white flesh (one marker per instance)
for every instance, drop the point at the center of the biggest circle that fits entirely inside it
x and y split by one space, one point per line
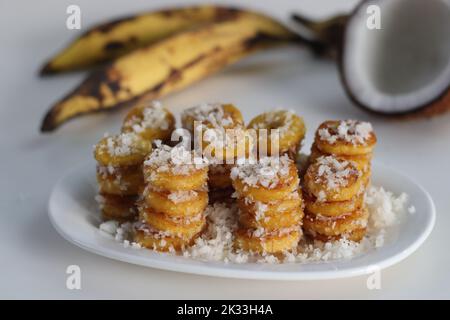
405 64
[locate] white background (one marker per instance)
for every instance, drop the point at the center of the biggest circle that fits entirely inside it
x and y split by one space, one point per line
33 257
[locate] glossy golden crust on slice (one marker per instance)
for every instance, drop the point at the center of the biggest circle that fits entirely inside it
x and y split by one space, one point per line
270 223
244 240
362 161
356 235
114 207
283 189
177 204
124 180
182 228
125 149
291 131
226 116
271 209
164 180
333 179
334 226
332 208
163 243
221 129
151 121
346 137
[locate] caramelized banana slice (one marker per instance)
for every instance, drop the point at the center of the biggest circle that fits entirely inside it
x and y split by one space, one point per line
194 180
356 235
150 120
159 241
333 179
247 240
334 226
346 137
270 223
219 116
333 208
361 161
269 179
180 227
221 129
271 209
178 203
124 180
125 149
291 130
175 169
114 207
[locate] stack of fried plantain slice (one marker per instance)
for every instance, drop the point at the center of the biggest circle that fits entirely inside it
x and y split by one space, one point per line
171 215
336 180
270 205
119 174
217 127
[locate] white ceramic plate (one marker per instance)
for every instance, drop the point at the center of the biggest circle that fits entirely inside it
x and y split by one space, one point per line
73 212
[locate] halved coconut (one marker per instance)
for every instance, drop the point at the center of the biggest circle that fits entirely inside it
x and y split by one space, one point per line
404 66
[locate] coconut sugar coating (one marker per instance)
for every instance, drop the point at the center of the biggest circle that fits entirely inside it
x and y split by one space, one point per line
345 137
212 115
175 160
150 120
333 179
123 149
351 131
267 172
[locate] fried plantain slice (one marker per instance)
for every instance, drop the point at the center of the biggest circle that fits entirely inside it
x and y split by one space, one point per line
124 149
271 209
333 179
247 240
150 120
271 223
269 179
183 227
115 207
332 208
356 235
178 203
345 137
123 180
291 129
334 226
175 169
152 239
361 161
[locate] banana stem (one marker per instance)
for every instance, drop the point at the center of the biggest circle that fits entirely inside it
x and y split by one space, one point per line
328 32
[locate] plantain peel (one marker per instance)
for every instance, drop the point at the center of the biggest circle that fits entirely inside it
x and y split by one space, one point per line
168 65
110 40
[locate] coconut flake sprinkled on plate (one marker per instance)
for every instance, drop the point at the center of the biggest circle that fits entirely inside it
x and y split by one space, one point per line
216 243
